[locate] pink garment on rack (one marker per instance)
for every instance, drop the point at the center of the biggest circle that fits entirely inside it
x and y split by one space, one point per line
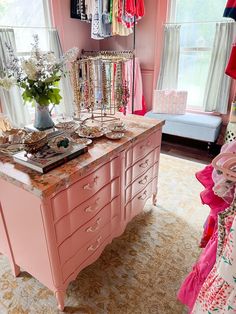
138 85
192 284
208 197
223 187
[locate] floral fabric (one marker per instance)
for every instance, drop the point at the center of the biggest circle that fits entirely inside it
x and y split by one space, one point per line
218 293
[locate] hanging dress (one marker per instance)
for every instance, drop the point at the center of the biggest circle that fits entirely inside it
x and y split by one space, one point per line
230 10
218 293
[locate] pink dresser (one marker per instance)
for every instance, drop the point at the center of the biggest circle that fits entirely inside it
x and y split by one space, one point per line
56 224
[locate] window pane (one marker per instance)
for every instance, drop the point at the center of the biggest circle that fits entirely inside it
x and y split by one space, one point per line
199 10
22 13
193 72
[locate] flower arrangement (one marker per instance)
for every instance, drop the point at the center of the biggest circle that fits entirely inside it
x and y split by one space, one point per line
38 76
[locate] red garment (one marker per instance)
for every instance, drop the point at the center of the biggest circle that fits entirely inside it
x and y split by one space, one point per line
132 9
230 10
144 108
231 67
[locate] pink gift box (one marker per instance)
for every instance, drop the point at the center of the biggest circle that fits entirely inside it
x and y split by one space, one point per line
170 101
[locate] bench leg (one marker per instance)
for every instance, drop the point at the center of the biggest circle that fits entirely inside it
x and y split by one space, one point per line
209 147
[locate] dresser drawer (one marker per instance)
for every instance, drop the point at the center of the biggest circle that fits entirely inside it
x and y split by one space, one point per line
139 183
141 166
83 189
86 211
146 146
84 234
137 204
94 246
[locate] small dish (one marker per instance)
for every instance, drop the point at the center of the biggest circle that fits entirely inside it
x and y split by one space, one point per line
82 141
60 144
115 135
117 127
35 141
90 132
68 126
91 136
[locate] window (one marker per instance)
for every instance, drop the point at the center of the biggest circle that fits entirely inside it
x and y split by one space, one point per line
27 18
198 19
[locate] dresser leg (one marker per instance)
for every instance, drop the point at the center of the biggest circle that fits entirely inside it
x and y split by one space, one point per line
15 269
60 299
154 199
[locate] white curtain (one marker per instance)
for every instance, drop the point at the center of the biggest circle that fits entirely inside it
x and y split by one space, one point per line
168 77
11 101
66 106
218 83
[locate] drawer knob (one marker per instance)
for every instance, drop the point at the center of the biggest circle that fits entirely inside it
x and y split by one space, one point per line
95 227
95 246
93 207
144 180
144 164
90 186
143 196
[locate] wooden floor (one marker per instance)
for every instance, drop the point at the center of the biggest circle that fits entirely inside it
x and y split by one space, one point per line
188 149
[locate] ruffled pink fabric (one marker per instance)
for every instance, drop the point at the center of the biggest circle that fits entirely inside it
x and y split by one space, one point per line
192 284
208 197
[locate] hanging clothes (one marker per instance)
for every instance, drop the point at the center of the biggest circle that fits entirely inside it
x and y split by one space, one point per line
101 26
218 293
230 10
219 194
231 67
138 85
118 28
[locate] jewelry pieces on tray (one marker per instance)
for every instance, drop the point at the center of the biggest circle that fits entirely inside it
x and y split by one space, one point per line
115 135
60 144
118 126
68 126
90 131
35 141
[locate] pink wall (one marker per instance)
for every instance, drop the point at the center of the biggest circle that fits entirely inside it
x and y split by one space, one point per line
72 31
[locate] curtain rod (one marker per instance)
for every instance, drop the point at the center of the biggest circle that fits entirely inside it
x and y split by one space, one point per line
206 22
26 27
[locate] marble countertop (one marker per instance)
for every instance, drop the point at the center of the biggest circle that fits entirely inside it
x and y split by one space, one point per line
46 185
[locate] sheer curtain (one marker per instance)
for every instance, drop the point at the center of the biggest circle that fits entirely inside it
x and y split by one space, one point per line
168 77
218 83
66 106
11 101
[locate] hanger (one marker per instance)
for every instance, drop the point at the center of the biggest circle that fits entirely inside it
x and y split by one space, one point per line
228 167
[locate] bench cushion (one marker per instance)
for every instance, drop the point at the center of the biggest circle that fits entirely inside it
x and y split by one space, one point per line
191 125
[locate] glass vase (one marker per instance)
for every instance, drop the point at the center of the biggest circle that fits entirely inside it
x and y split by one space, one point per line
43 120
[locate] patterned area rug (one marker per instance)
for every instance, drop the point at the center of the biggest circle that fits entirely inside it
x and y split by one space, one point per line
141 271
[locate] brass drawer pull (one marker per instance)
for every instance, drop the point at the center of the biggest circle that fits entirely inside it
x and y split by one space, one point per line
95 246
144 164
90 186
95 227
144 180
93 207
143 196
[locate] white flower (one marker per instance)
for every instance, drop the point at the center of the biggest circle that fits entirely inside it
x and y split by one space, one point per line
7 82
30 68
71 54
50 58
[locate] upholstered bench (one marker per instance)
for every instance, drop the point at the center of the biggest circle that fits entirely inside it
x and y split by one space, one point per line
190 125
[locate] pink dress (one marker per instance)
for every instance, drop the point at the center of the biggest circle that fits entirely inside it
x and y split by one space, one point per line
192 284
218 293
